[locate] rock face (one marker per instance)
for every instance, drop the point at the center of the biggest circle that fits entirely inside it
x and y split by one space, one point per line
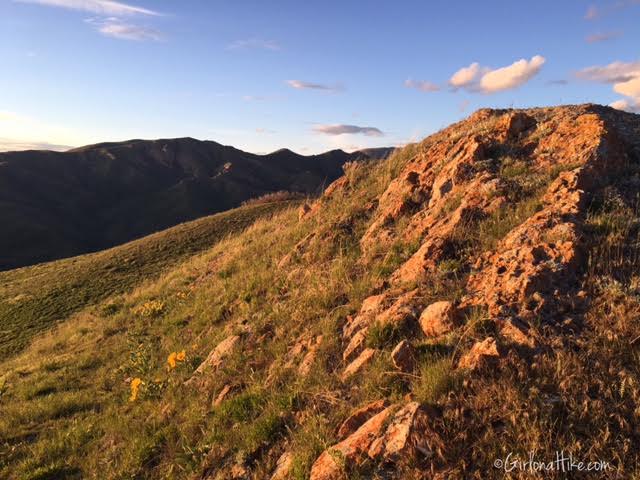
492 213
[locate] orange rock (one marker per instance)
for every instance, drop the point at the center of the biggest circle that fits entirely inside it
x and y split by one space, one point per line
438 318
330 465
305 366
403 357
359 363
222 395
408 436
480 354
361 415
283 467
516 333
303 211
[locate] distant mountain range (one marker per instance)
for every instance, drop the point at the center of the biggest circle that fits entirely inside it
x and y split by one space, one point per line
59 204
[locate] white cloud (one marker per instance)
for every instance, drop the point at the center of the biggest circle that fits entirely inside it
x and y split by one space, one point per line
613 73
421 85
630 88
302 85
100 7
626 105
349 130
625 77
466 76
512 76
115 28
254 43
476 78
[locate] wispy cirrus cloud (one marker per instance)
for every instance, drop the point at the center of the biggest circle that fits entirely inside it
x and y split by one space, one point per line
109 17
422 85
302 85
342 129
476 78
254 43
116 28
592 13
99 7
602 37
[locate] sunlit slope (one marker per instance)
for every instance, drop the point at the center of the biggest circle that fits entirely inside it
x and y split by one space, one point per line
34 298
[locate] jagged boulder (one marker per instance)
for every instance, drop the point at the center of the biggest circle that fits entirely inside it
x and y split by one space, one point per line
403 357
481 354
361 415
394 435
409 435
350 452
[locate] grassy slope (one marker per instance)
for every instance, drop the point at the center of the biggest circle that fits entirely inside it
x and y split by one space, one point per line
65 400
33 298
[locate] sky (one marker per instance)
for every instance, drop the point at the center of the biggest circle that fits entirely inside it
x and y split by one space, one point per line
309 76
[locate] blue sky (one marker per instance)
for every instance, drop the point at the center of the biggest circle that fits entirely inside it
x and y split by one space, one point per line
310 76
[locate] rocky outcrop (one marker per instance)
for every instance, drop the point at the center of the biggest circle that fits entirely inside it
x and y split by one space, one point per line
394 435
350 452
409 435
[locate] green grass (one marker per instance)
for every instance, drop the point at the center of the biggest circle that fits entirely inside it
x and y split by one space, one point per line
32 299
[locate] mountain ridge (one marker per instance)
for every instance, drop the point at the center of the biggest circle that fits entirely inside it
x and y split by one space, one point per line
60 204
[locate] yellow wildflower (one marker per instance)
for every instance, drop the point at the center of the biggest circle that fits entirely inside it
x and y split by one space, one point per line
171 360
135 386
174 357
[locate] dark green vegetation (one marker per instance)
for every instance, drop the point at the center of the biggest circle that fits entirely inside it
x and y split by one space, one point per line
56 205
33 298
